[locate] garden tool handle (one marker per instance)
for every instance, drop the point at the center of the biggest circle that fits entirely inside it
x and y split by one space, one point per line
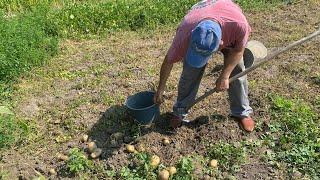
260 63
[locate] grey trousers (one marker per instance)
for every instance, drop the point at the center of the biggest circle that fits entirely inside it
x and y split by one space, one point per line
189 84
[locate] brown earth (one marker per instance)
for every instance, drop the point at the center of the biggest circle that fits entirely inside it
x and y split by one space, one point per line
83 91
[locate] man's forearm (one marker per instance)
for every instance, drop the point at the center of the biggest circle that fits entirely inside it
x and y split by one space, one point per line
230 62
165 71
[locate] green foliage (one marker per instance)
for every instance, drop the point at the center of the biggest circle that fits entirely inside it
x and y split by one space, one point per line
229 156
296 130
140 168
26 41
7 131
78 162
185 168
11 130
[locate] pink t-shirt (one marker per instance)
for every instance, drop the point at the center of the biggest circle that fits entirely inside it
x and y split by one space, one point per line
234 25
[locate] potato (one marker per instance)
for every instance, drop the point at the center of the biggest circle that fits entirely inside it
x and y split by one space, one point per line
213 163
92 147
166 141
96 153
84 138
52 172
155 161
130 148
172 170
163 175
62 157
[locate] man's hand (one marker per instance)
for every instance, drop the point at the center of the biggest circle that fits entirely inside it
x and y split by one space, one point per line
231 58
158 97
166 68
222 84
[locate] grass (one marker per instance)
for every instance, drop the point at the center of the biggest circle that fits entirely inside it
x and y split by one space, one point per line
12 131
26 41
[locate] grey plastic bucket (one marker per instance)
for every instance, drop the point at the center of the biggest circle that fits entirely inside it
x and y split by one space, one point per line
142 107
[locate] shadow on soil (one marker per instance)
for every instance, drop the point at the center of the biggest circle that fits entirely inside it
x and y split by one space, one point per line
116 127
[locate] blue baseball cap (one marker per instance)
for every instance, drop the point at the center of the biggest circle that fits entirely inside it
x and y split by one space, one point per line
205 39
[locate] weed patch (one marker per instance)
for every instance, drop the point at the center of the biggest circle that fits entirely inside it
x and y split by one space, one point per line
185 168
295 131
229 156
11 130
78 162
140 168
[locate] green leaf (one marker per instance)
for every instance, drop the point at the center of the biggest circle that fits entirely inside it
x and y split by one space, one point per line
5 110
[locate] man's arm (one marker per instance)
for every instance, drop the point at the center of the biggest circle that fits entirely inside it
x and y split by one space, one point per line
231 58
165 71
